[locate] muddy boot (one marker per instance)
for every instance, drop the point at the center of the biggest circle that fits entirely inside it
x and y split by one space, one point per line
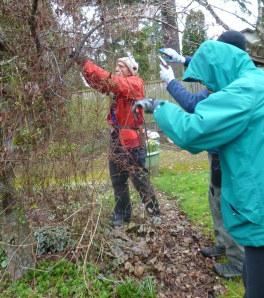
213 251
121 216
119 219
152 208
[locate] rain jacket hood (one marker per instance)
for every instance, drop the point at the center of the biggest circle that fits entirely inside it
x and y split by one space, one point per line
217 64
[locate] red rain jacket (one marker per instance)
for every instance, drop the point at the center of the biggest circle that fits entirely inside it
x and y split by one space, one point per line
126 91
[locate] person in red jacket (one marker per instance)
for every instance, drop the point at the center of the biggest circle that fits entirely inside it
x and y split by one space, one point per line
127 146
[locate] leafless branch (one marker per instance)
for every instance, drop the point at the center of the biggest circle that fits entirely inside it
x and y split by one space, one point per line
207 6
33 25
7 61
234 14
104 22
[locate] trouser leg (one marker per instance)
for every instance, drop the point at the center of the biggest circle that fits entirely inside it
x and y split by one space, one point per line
253 274
234 252
140 179
119 179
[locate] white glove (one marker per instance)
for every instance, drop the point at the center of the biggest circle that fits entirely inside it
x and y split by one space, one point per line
171 55
166 74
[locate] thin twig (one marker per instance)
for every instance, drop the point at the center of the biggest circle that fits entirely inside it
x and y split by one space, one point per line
101 24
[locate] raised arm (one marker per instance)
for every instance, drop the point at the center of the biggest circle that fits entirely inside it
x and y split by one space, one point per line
219 119
185 99
126 87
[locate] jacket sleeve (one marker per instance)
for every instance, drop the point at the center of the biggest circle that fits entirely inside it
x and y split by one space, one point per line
186 99
105 82
187 60
217 120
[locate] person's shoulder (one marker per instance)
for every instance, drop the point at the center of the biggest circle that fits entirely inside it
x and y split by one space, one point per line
140 79
136 79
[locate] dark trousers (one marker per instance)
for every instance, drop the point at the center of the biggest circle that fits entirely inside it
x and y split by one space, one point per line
253 272
124 164
215 169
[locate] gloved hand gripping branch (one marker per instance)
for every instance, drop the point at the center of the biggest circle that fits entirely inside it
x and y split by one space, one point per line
147 104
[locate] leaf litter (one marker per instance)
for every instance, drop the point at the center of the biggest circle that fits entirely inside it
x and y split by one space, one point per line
166 248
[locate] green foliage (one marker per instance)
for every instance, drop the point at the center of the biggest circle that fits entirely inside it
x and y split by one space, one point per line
190 189
141 49
86 118
30 107
65 279
152 145
234 288
61 149
194 32
62 279
27 138
3 258
53 239
131 1
17 109
132 289
87 112
145 51
143 46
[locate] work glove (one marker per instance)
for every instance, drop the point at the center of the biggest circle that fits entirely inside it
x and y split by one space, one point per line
171 55
147 104
166 74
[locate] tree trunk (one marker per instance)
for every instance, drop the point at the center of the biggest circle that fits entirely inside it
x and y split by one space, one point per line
16 235
260 20
170 35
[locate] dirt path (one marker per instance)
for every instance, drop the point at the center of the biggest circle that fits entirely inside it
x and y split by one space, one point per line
168 251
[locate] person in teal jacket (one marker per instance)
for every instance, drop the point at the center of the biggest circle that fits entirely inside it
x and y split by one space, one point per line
224 243
231 119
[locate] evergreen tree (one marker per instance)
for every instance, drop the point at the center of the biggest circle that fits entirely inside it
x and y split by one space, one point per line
194 33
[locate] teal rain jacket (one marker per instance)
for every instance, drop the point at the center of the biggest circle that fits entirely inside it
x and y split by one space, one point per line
231 119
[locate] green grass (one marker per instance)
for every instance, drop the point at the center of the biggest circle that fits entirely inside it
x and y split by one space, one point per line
65 279
184 177
190 191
